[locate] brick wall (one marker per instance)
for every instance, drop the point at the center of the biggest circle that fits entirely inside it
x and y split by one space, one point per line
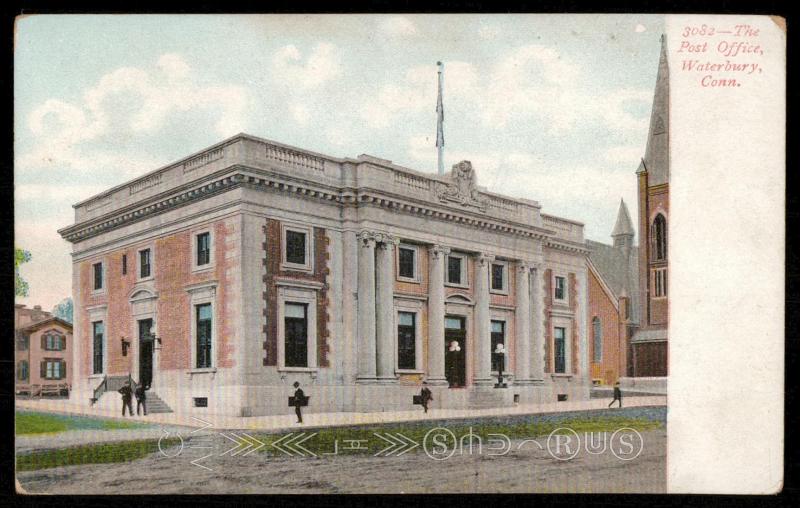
573 306
602 307
272 262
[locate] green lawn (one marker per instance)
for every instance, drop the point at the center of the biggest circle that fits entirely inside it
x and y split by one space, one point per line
92 454
323 441
29 422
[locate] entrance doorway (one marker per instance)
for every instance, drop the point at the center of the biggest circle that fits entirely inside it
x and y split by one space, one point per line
455 351
145 352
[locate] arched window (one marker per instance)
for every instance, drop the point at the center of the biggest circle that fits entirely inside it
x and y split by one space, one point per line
658 238
22 370
597 337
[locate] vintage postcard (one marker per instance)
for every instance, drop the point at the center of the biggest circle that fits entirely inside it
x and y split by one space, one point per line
399 253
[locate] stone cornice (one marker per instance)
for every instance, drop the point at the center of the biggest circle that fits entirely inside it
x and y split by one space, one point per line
238 176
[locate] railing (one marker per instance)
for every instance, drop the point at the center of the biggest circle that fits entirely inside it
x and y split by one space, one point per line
100 390
294 158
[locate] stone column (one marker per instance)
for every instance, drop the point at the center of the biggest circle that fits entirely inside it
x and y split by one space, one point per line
366 307
523 324
385 332
483 343
438 255
537 324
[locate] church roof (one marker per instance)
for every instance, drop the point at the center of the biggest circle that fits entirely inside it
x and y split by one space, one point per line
618 268
624 226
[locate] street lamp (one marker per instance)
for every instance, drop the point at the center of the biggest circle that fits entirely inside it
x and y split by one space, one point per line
501 358
454 347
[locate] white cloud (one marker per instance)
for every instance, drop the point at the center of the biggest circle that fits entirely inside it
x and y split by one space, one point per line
640 28
322 65
397 26
531 82
127 103
488 32
628 156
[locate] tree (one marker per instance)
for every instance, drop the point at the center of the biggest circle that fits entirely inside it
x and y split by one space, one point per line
64 310
20 285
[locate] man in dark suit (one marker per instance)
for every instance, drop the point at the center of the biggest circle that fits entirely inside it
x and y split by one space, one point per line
617 395
425 396
126 398
141 399
299 397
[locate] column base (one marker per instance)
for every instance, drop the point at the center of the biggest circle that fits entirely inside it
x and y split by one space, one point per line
386 380
489 381
528 382
437 381
366 380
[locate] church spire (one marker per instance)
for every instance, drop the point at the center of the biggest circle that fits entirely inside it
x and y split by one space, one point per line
656 159
623 229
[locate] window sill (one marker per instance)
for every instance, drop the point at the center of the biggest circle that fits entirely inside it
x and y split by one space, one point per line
144 279
459 286
297 369
97 376
409 280
560 375
203 268
98 292
193 372
291 267
502 292
408 371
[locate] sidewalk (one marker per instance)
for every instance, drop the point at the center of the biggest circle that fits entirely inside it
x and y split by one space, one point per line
277 423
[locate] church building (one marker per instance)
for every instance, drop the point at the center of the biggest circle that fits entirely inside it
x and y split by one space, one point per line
649 344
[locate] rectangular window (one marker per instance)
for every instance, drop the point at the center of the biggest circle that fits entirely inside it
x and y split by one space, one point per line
406 340
98 329
498 337
295 316
560 292
53 369
124 264
406 263
53 342
454 270
98 275
660 282
144 263
203 249
498 277
204 330
560 351
295 247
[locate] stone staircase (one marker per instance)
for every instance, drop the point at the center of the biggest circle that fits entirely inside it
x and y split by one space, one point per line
155 404
113 383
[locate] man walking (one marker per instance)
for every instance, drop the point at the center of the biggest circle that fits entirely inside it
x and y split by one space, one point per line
141 399
617 395
126 398
299 399
425 396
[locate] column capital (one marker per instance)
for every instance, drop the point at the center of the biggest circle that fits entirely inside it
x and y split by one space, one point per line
386 241
439 250
483 259
366 239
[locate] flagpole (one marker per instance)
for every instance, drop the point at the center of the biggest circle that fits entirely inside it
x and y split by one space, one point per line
440 119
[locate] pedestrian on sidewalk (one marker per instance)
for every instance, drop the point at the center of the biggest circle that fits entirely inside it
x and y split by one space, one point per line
126 398
617 395
141 399
299 400
425 396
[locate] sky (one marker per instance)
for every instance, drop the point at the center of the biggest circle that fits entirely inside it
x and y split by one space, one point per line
553 108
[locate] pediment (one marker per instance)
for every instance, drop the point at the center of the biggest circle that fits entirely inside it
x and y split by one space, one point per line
459 298
138 294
